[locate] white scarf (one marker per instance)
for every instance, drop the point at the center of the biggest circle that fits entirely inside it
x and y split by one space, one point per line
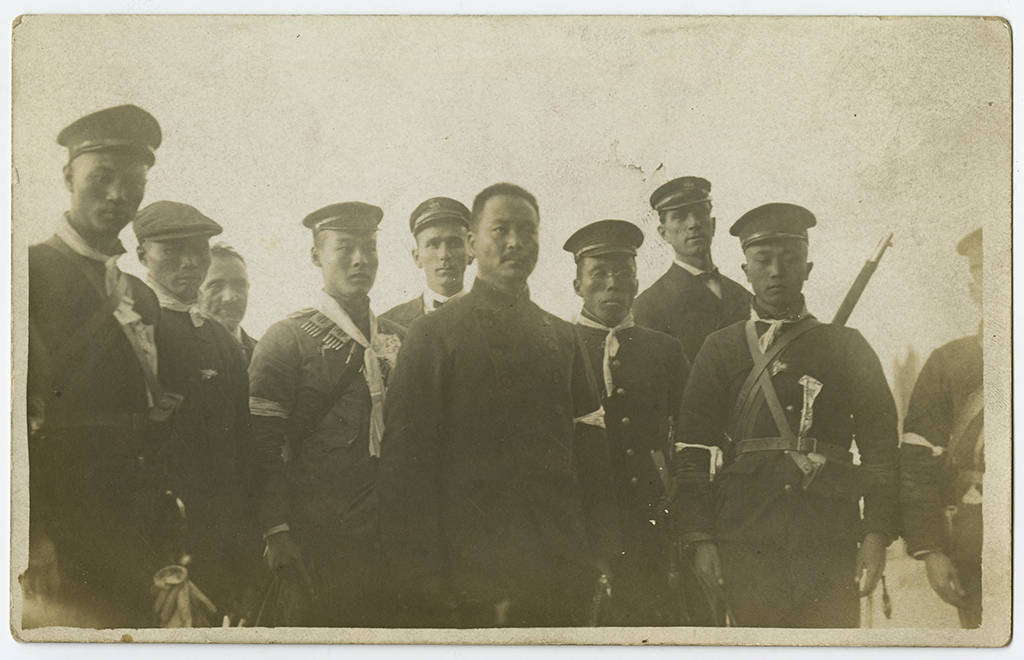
774 326
116 284
169 301
611 343
330 308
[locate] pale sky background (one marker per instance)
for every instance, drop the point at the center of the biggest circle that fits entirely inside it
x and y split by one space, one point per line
875 125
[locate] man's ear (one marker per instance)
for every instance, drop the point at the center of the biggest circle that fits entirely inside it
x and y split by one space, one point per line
744 267
416 257
576 286
807 274
713 221
140 252
661 231
67 177
314 256
470 249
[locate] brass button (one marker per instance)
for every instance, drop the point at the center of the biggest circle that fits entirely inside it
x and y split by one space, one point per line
630 452
620 391
141 460
634 480
788 488
616 364
790 408
625 421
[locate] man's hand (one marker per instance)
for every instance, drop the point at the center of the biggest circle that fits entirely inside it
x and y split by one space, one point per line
708 565
42 577
943 577
282 551
870 562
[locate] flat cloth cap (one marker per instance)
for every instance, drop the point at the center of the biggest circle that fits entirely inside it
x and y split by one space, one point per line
773 221
165 221
126 128
677 193
435 209
354 216
605 237
971 246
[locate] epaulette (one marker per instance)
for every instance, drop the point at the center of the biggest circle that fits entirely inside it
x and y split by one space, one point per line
318 326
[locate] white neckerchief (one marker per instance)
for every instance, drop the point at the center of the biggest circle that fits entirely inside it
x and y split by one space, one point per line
330 308
774 325
113 281
430 297
169 301
116 284
611 343
712 284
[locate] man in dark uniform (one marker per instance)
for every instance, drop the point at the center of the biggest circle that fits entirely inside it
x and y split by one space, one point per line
780 398
692 299
496 491
943 463
439 227
224 294
642 373
317 383
206 445
92 384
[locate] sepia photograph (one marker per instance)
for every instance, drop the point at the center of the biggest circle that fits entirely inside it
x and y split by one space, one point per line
511 329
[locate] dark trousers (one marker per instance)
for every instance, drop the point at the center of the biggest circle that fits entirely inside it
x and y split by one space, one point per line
800 585
970 580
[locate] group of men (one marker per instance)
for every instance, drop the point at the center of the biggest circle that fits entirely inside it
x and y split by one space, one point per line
467 459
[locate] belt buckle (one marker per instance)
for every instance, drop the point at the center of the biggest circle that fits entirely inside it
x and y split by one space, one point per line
808 445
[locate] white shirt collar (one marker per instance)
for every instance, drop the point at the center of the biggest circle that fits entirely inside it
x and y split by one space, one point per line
692 270
430 296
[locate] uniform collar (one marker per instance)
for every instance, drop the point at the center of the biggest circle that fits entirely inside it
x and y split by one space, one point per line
491 296
693 270
430 297
67 233
757 313
169 301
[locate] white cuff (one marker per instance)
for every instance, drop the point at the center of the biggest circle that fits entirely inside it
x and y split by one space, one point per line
595 418
283 527
266 408
920 441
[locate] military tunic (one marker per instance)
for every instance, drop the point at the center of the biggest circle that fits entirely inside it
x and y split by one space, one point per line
93 484
325 491
680 305
489 491
946 411
207 449
648 372
788 553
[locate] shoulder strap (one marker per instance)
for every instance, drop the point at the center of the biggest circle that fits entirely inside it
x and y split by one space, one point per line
762 361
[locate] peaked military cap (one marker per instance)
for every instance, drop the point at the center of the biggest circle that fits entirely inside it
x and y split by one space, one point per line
971 246
355 216
773 221
605 237
122 128
164 221
677 193
438 208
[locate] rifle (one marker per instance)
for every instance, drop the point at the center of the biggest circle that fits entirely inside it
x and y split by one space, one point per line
859 284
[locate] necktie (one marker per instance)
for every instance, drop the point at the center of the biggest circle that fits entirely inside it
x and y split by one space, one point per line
611 344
